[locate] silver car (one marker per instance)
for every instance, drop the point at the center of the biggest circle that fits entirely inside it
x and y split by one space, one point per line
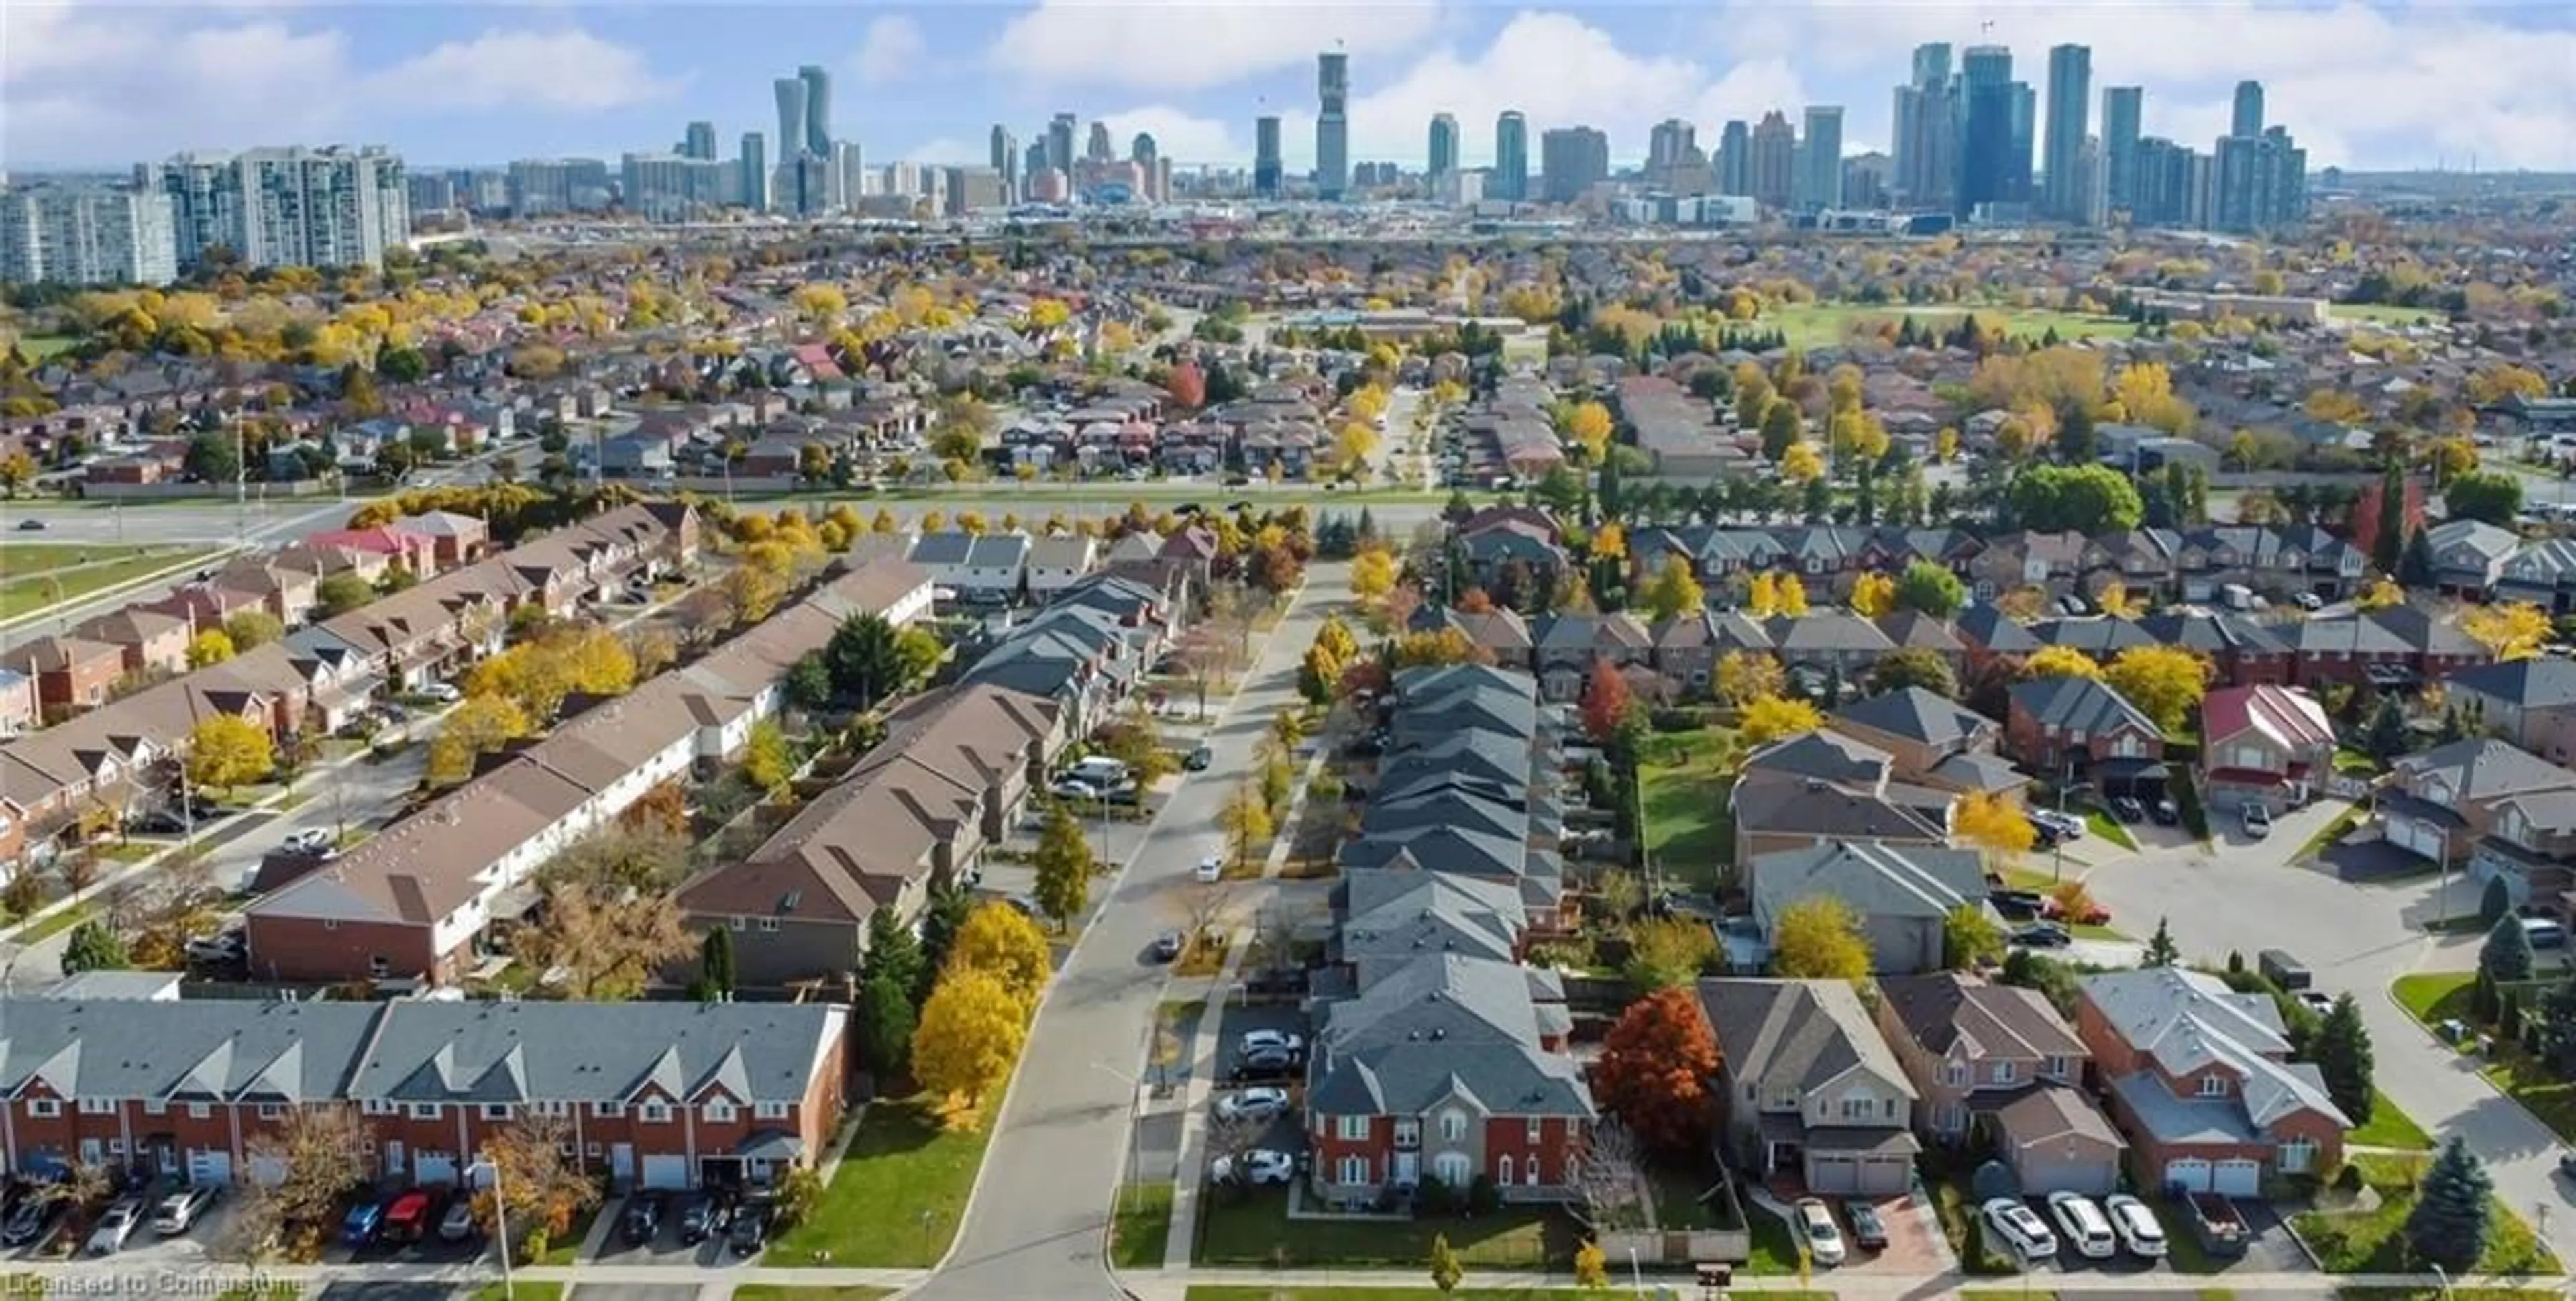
1252 1104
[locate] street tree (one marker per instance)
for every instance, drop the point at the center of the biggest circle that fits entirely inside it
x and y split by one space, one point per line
1819 938
1654 1071
1245 819
227 750
1000 941
971 1031
1063 862
1446 1268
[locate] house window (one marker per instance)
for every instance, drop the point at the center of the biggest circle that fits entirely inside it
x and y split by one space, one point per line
377 1107
1453 1126
590 1149
769 924
200 1110
156 1107
1351 1129
1887 1108
742 923
2297 1155
1351 1170
1408 1132
44 1108
1856 1108
271 1110
2005 1072
496 1111
769 1111
608 1110
1503 1168
97 1107
1534 1124
1954 1073
720 1112
654 1113
2057 1068
424 1111
2213 1085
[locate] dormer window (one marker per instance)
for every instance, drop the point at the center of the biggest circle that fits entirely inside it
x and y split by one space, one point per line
2213 1085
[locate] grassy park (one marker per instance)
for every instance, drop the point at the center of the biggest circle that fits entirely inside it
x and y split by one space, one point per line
1824 325
899 1194
37 575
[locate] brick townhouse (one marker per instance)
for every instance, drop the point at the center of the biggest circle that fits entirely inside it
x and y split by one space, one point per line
665 1095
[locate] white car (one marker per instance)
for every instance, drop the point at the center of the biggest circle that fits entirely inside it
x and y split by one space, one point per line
1254 1040
1252 1104
442 692
219 948
1259 1166
114 1228
179 1211
1069 788
2020 1228
2086 1228
1210 869
1823 1237
2140 1231
311 840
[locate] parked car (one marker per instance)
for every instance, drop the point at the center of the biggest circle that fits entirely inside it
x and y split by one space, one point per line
1868 1232
2166 813
2092 914
1252 1104
2140 1231
178 1212
161 822
2067 826
1210 869
457 1225
1199 758
1283 1039
2042 935
311 840
35 1214
750 1231
2020 1228
2258 821
1168 946
701 1217
215 950
2128 808
442 692
1824 1238
1259 1166
408 1217
2086 1228
642 1220
1267 1064
114 1227
1071 788
359 1226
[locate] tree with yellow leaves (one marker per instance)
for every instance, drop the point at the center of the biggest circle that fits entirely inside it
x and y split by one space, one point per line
1674 590
2382 593
2167 682
1819 938
1776 718
971 1030
1873 594
1994 823
1610 542
2060 662
2512 630
1801 463
2116 601
209 647
1793 596
1373 574
1945 445
1762 595
1588 425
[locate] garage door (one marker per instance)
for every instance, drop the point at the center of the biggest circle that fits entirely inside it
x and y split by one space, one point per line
2189 1173
268 1171
2237 1178
2415 836
666 1171
210 1168
1833 1174
433 1167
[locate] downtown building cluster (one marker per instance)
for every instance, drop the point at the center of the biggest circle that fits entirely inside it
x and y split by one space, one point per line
329 207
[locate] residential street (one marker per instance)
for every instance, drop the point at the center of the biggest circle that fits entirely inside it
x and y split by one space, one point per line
2357 936
1040 1213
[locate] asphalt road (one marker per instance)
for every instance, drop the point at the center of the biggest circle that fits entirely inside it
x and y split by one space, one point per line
2357 936
1041 1209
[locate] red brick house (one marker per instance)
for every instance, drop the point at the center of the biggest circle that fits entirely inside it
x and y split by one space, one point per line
2266 745
2077 725
663 1095
2200 1079
153 641
71 673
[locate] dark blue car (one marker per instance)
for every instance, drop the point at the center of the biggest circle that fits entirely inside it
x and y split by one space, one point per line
358 1228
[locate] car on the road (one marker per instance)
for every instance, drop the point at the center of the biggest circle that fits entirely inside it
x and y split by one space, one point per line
2020 1228
750 1230
35 1214
31 525
1168 946
2258 821
1259 1166
1868 1232
2140 1231
2165 812
1823 1237
1198 758
2086 1228
701 1217
2042 935
1287 1040
642 1220
114 1227
1210 869
178 1212
311 840
2128 808
457 1225
1252 1104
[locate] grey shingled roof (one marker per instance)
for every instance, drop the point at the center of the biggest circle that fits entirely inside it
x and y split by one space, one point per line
1918 715
2541 682
1874 880
1801 1033
1441 1028
2188 1020
2068 703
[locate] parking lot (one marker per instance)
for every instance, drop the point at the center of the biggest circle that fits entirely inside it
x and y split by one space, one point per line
2269 1246
664 1248
1283 1133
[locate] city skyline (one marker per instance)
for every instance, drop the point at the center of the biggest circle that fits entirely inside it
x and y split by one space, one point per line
485 86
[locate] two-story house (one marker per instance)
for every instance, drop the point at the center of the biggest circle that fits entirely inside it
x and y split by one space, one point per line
2241 652
153 642
71 673
2200 1079
1930 740
1058 562
2530 702
2443 802
1825 786
1902 895
976 566
2469 556
2263 745
2078 728
1809 1089
1998 1060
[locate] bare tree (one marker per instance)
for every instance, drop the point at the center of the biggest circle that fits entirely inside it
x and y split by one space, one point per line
609 938
1203 912
1605 1173
541 1180
300 1171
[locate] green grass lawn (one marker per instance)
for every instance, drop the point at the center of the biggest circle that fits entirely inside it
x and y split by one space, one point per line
2372 1242
567 1249
782 1292
1684 785
899 1194
40 346
2390 1127
27 593
1141 1227
518 1292
1214 1292
1820 325
2530 1082
1253 1230
2435 996
2110 828
2385 313
1775 1246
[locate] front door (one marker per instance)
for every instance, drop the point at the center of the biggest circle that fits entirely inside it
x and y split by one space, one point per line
394 1163
1408 1169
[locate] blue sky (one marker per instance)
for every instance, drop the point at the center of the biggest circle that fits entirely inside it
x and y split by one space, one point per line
105 83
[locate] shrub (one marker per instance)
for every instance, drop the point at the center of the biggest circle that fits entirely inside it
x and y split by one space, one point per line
1483 1197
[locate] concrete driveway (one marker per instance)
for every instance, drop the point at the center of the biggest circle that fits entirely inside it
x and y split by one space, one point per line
1041 1207
2358 936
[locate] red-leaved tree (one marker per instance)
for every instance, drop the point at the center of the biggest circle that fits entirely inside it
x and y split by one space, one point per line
1655 1069
1187 386
1605 699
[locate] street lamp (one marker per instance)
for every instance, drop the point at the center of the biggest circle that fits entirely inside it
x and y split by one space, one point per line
500 1221
1135 1118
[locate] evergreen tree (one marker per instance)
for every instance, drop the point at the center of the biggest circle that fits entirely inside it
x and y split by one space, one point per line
2509 1017
894 952
2495 902
2453 728
887 1018
2415 566
2386 738
2557 1025
2341 1050
2161 950
715 962
2507 956
951 903
2390 538
2454 1209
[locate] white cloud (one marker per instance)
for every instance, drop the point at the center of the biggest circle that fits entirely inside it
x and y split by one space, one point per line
1168 45
948 151
567 68
1557 70
893 50
1180 136
2357 84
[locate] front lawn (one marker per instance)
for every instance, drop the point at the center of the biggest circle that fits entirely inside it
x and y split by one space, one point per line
2433 997
1678 1203
2110 828
566 1249
2373 1242
2530 1082
899 1193
1141 1227
1253 1230
518 1292
2390 1127
1775 1246
1684 784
